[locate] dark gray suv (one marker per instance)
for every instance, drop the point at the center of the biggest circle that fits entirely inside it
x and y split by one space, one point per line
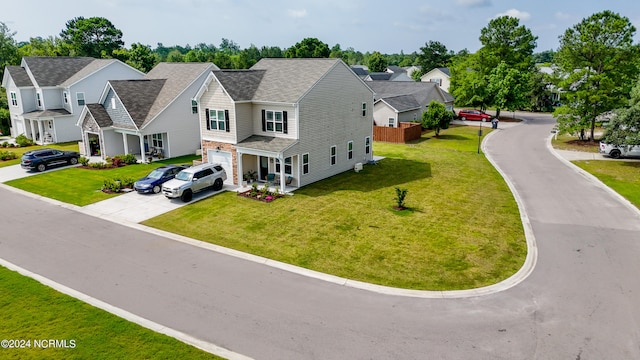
42 159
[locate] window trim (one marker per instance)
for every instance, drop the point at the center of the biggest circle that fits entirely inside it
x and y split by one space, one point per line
367 145
333 155
364 109
38 99
65 97
80 98
305 164
392 122
288 165
194 106
157 141
219 118
14 98
350 149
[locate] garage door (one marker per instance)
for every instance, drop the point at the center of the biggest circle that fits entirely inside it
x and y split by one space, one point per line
223 158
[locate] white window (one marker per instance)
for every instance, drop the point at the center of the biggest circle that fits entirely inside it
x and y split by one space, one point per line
287 166
367 145
113 103
364 109
274 121
392 122
194 107
436 80
38 100
216 119
156 141
305 163
65 97
350 150
334 154
80 97
14 98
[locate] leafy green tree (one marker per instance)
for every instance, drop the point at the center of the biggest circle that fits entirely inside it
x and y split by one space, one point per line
229 47
508 87
223 61
95 37
600 62
271 52
539 93
468 83
544 57
308 48
175 56
433 55
51 46
624 127
139 56
436 117
8 48
377 62
505 40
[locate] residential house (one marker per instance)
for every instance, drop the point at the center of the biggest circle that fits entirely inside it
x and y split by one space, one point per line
440 76
392 73
291 121
411 69
47 94
156 115
401 101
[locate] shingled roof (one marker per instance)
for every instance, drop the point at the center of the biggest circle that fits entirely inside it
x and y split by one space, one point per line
54 71
138 96
100 115
422 92
19 76
241 85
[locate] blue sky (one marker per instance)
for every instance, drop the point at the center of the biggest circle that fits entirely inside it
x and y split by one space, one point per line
385 26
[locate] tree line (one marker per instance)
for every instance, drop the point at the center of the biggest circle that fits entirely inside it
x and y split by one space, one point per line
595 67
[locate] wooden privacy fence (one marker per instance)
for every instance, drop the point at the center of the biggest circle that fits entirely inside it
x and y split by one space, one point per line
406 132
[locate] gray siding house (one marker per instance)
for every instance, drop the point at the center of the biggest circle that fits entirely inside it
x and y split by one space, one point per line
402 101
295 121
47 94
154 115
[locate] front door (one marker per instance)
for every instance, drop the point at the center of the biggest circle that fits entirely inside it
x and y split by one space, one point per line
264 167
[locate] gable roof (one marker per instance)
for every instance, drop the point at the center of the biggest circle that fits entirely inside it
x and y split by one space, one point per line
19 76
402 103
92 67
421 92
100 115
54 70
138 96
445 70
287 80
241 85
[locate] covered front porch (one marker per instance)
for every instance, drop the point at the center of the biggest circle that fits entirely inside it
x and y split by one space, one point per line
40 126
112 142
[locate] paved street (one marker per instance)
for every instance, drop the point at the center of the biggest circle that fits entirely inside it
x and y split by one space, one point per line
580 301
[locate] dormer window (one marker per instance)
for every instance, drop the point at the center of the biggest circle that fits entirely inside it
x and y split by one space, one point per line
80 97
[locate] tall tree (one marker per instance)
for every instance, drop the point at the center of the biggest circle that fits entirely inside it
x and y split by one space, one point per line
308 48
8 48
433 55
508 87
600 62
139 56
377 62
505 40
51 46
624 127
95 37
436 117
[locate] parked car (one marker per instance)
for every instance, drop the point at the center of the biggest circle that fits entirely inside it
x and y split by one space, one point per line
468 114
42 159
152 183
620 151
194 179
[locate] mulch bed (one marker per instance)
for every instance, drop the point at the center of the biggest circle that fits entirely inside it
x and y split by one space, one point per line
259 196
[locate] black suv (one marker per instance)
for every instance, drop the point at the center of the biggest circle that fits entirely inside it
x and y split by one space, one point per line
42 159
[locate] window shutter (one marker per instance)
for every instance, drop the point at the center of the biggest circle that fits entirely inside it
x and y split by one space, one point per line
206 112
264 120
284 122
226 120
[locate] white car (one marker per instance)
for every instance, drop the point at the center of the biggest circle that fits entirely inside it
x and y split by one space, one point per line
620 151
194 179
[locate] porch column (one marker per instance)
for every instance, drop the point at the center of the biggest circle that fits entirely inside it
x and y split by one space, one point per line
239 167
41 131
142 152
125 143
33 131
282 173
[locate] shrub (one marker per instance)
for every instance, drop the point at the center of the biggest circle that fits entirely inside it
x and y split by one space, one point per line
117 162
401 194
98 165
5 144
111 185
7 155
127 182
129 159
22 140
83 161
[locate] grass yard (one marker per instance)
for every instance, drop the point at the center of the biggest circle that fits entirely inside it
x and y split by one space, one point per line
82 187
622 176
462 229
70 146
569 142
32 311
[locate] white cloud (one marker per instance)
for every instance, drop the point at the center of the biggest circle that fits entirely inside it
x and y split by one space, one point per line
522 15
474 3
297 13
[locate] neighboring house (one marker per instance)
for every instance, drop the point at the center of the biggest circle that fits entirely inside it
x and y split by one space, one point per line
411 69
155 115
390 75
47 94
440 76
295 121
397 102
360 70
551 72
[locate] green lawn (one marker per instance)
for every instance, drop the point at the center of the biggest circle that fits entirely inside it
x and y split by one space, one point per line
463 228
81 186
70 146
32 311
622 176
569 142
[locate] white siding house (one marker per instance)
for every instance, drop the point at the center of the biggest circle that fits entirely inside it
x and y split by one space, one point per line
292 121
440 76
47 94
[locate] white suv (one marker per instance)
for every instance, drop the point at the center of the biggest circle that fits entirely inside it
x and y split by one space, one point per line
619 151
194 179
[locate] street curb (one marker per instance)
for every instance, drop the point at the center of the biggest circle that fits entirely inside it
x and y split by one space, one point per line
592 178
